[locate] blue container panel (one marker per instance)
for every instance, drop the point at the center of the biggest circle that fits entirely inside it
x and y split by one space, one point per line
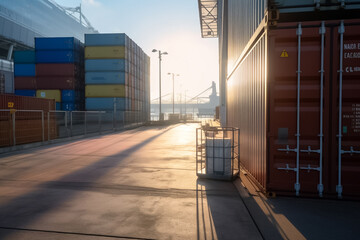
111 65
27 93
60 56
61 43
24 57
58 106
105 104
71 96
111 39
67 106
105 77
24 70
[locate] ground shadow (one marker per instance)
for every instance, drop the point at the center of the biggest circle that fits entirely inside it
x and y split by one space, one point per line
222 214
23 210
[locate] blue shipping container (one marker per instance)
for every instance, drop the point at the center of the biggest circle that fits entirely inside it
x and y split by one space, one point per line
105 104
60 56
111 65
105 77
24 56
107 39
69 106
60 43
71 96
27 93
58 106
24 70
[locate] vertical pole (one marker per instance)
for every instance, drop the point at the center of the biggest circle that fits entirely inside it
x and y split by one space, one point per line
100 122
160 118
321 135
341 31
297 184
42 126
13 128
48 122
114 115
185 106
238 153
66 118
173 99
85 119
197 150
123 117
71 124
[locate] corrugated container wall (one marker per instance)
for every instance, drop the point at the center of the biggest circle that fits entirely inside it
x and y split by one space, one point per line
246 11
247 109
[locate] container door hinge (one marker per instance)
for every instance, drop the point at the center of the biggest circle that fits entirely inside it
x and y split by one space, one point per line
299 30
342 3
322 29
317 4
339 190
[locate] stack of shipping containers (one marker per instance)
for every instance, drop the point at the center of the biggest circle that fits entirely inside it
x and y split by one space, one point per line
24 73
60 72
292 73
117 76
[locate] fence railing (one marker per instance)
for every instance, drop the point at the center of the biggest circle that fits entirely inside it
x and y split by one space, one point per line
28 126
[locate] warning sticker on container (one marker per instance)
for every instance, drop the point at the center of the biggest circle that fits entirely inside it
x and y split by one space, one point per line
10 104
284 54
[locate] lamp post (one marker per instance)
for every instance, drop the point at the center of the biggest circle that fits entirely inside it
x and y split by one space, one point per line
173 93
160 54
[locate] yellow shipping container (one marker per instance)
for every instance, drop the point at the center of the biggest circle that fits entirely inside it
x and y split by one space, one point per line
49 94
105 90
106 52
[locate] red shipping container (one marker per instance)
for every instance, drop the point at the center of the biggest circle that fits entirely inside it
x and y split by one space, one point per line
8 101
274 97
51 82
28 125
58 69
25 83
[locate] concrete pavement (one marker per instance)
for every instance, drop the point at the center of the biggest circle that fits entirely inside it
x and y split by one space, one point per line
138 184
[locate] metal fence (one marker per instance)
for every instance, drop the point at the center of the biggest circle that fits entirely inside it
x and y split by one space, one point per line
28 126
217 152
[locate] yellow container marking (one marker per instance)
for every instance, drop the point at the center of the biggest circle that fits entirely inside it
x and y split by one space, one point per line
284 54
105 90
10 104
105 52
49 94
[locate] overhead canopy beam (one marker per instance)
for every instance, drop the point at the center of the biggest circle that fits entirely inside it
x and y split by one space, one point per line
208 10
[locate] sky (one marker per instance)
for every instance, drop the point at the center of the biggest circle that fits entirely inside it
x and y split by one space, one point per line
169 25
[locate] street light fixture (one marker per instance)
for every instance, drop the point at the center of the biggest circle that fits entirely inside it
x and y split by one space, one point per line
160 54
173 101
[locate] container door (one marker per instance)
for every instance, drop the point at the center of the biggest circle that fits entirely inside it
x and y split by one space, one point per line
282 110
350 115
